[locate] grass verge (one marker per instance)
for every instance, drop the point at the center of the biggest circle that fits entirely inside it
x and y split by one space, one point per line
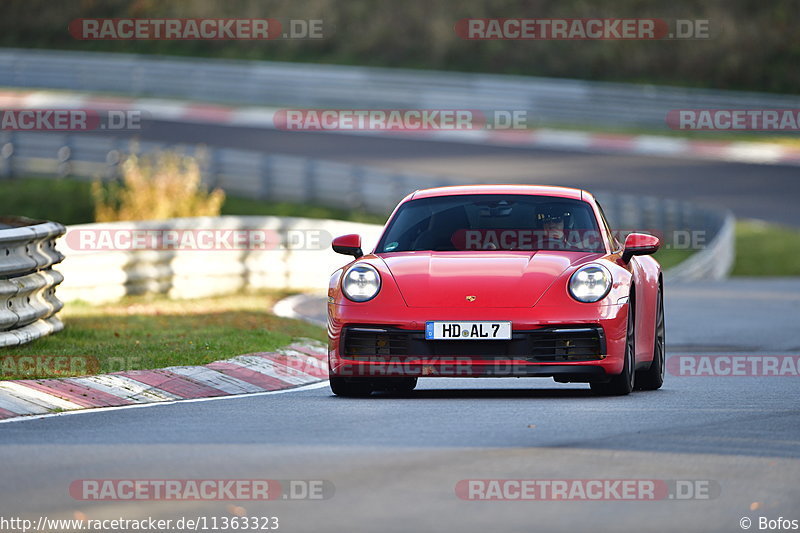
70 201
63 200
764 249
235 205
154 332
670 257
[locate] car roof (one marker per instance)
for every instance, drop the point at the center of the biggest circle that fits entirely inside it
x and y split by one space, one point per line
533 190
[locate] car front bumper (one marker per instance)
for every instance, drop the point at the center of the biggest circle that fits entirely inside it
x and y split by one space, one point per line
582 343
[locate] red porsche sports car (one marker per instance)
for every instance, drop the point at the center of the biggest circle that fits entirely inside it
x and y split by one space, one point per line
497 281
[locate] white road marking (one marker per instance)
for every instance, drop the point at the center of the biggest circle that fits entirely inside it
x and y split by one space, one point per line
20 406
172 402
34 396
215 379
268 368
125 387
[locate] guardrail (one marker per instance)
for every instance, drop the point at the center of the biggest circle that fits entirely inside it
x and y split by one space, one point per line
547 100
302 180
714 262
295 254
28 303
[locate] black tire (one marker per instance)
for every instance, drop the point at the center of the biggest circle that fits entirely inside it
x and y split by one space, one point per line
351 387
653 377
623 383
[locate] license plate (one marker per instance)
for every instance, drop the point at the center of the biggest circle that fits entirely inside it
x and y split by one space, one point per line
468 331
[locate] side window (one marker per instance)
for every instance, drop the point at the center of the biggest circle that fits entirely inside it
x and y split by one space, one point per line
615 244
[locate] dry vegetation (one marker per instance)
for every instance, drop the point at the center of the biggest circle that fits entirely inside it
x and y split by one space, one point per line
166 186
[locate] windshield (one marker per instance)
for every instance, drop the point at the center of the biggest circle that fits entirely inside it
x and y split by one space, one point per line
485 222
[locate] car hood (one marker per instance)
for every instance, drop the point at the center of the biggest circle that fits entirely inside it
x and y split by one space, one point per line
495 279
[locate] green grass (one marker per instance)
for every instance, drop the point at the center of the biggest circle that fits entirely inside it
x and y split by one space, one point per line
246 206
62 200
154 332
764 249
670 257
70 202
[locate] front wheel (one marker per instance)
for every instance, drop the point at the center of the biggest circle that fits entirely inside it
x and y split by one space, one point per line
622 384
653 377
351 387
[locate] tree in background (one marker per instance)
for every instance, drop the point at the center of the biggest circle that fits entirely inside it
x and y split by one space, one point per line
754 44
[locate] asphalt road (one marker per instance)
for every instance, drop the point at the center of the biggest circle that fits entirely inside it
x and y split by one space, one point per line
767 192
395 461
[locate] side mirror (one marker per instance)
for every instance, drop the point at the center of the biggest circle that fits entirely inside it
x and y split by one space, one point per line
348 245
639 244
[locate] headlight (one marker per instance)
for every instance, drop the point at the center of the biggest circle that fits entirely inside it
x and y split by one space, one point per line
361 282
590 283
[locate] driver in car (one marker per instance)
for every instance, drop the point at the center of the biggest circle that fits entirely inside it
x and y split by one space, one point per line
551 220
